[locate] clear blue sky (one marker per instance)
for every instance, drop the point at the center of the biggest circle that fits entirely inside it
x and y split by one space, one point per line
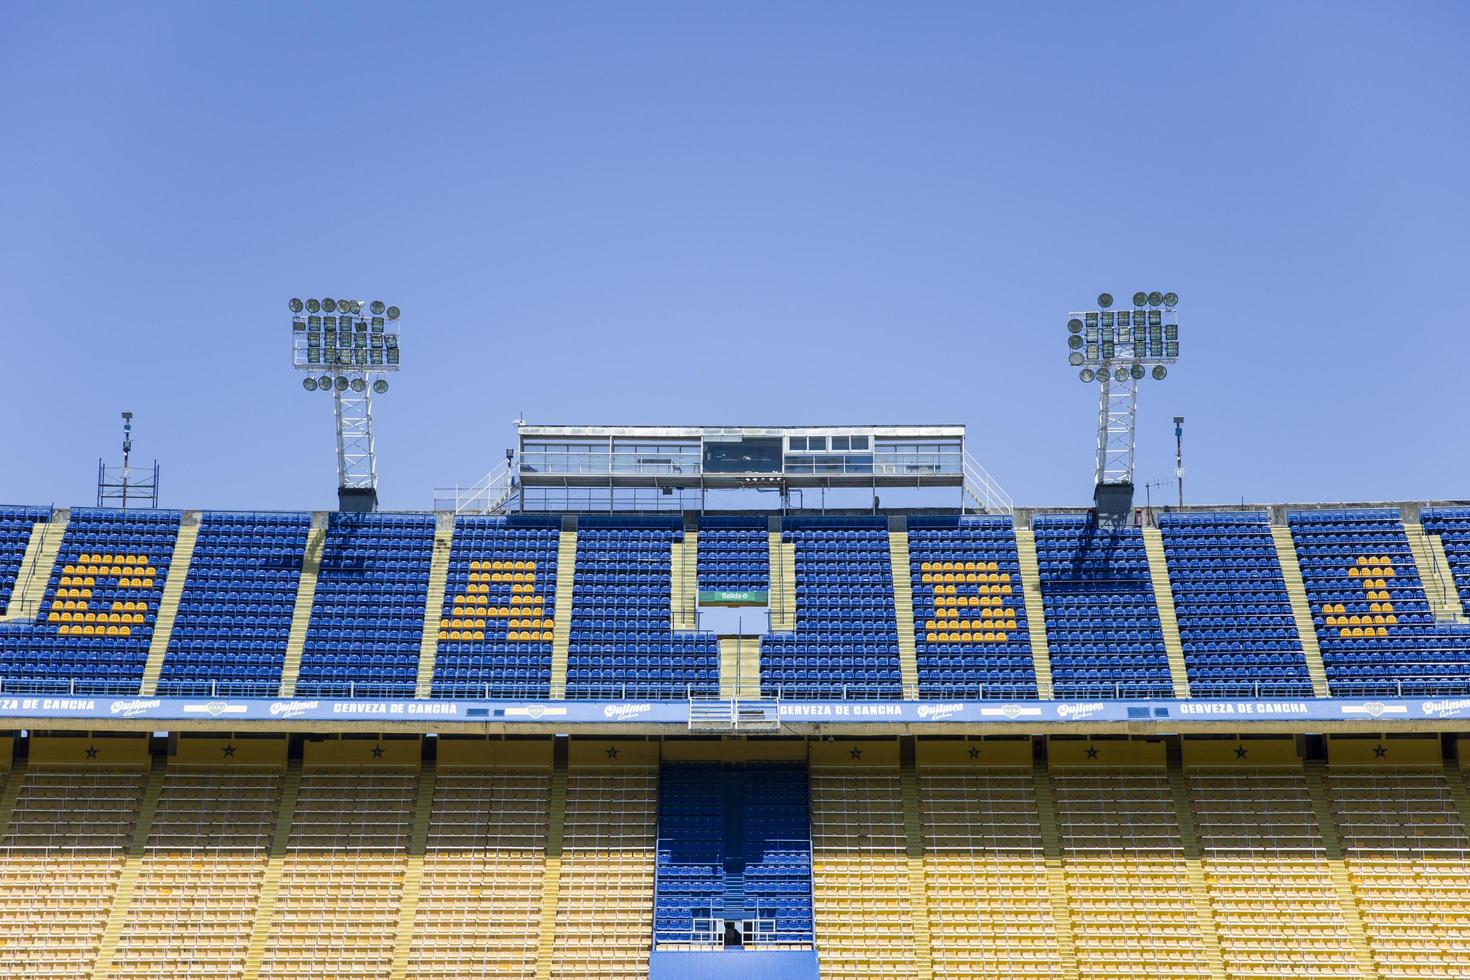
735 213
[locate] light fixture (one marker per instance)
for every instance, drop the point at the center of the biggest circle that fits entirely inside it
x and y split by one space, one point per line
1104 300
1140 298
377 307
358 384
1120 374
1155 298
1171 299
330 305
312 306
393 312
1074 340
324 382
309 383
1136 371
1160 372
1087 374
296 305
380 386
1074 325
1075 358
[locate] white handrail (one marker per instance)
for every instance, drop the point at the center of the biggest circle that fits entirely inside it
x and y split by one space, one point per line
984 490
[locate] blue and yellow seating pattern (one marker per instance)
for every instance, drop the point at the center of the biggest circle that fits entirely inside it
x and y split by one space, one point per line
970 602
476 615
71 609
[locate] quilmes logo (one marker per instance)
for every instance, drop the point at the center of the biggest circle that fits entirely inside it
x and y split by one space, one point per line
623 712
939 712
1078 712
292 709
137 706
1445 709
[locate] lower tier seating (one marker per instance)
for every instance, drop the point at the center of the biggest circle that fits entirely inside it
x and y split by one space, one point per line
860 874
990 914
479 910
1277 913
194 901
604 911
1408 857
60 860
337 910
1127 887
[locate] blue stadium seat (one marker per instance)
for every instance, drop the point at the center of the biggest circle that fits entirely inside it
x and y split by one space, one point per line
734 553
16 524
1235 621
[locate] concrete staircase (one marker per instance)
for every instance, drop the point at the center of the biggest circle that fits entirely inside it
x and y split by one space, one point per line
1301 610
311 564
12 793
413 872
122 896
35 567
561 632
270 884
914 839
1035 621
1056 878
434 603
740 667
551 884
1214 958
684 591
903 605
168 605
783 583
1434 571
1158 571
1341 884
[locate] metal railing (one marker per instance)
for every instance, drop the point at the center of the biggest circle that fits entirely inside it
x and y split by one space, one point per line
981 487
489 495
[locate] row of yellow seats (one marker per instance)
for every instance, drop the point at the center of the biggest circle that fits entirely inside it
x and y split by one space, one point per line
122 583
502 566
1374 560
972 637
469 622
515 600
120 618
502 576
941 615
98 558
1373 571
95 630
1374 595
523 636
1357 632
979 589
1364 620
517 589
978 601
67 593
959 566
90 575
495 612
973 578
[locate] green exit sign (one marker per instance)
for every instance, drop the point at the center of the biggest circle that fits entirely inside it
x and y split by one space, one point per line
734 597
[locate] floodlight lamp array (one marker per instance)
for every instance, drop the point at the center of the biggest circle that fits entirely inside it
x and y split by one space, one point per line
342 343
1122 344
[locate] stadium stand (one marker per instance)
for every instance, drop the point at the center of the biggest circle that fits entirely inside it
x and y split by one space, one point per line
734 553
1235 621
368 613
622 640
970 629
92 631
604 903
989 906
1373 620
1452 526
846 638
16 525
343 874
194 901
733 846
860 883
484 870
234 615
1102 618
499 611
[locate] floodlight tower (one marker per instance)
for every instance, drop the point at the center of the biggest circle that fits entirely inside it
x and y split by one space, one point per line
1117 349
345 352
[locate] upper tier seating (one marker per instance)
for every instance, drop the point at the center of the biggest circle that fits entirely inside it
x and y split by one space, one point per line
92 632
499 609
235 611
367 618
15 533
622 637
1373 621
1452 524
970 635
734 844
1235 620
1102 619
734 553
846 639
